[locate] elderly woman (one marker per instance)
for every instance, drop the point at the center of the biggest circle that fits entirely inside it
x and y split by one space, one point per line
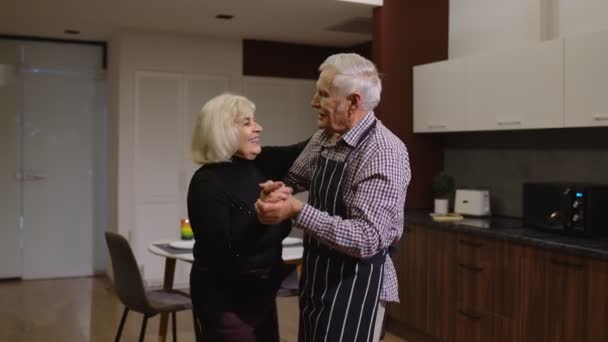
237 260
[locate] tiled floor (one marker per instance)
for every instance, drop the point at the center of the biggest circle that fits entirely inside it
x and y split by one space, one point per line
86 309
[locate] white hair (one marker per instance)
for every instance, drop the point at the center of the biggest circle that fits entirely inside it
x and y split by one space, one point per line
355 73
216 134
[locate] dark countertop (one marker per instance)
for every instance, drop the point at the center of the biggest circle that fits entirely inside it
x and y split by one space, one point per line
511 229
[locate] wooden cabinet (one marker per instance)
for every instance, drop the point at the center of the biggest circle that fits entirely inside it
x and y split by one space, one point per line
487 283
596 323
531 295
425 259
441 251
552 294
460 287
439 96
586 80
474 289
565 290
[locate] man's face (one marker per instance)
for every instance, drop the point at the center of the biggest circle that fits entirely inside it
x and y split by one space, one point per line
330 106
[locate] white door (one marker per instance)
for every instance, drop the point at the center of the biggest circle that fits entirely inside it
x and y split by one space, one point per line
59 163
166 107
198 89
10 199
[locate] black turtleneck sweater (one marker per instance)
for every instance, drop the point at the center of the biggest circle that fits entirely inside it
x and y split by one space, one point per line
221 197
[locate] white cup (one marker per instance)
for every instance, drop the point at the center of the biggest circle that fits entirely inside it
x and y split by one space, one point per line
441 206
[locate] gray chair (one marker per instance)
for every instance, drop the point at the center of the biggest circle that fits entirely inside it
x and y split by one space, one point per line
130 288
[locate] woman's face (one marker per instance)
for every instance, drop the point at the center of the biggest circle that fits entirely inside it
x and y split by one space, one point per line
249 138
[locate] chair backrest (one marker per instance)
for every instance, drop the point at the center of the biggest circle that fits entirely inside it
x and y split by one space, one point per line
127 280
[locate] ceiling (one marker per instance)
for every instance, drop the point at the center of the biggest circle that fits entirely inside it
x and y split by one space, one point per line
296 21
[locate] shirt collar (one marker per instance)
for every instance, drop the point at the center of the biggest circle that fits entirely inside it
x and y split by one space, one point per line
353 136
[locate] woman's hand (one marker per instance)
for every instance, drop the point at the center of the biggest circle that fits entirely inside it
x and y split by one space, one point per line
273 192
276 204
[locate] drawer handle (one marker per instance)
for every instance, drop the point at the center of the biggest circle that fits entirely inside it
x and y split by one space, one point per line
436 126
470 243
556 261
471 268
468 315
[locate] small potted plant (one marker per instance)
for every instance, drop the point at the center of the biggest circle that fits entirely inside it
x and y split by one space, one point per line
443 187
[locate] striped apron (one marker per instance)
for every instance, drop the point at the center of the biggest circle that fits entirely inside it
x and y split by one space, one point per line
339 294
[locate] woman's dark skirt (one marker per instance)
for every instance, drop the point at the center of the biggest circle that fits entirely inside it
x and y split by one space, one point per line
235 308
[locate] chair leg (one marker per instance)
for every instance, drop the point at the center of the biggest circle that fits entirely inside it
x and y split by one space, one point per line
174 323
142 333
121 325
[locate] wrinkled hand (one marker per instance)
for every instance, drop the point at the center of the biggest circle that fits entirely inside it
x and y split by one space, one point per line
273 192
279 211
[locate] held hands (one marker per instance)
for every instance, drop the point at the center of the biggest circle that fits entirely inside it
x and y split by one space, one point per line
276 204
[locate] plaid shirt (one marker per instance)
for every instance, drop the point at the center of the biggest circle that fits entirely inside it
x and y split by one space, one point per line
377 177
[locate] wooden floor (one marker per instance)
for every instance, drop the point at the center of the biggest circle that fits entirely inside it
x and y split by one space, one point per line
86 309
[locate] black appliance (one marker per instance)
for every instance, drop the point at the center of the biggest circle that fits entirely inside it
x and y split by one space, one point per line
569 208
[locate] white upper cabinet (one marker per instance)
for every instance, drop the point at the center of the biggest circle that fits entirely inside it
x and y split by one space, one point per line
586 80
518 89
439 96
515 89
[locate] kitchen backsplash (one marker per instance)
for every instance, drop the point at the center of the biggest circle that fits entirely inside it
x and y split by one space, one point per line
500 161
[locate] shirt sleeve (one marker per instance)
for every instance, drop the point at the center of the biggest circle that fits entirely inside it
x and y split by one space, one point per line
379 190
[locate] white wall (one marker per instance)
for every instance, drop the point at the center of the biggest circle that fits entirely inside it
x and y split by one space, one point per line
581 16
478 26
481 26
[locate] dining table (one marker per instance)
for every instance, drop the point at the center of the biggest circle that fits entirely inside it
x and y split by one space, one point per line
174 250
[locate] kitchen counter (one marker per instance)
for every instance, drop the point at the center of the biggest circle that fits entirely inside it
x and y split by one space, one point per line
513 230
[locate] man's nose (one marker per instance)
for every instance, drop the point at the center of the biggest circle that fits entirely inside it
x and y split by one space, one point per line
315 101
258 127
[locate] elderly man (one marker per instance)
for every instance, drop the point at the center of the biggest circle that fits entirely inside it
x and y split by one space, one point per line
357 173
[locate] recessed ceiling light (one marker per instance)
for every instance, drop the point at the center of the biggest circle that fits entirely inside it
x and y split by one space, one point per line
224 16
71 31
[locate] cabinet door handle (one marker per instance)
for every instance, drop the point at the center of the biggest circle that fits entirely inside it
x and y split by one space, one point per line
470 243
509 123
468 315
556 261
431 126
471 268
600 117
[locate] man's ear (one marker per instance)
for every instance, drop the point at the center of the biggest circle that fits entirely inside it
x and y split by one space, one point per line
355 102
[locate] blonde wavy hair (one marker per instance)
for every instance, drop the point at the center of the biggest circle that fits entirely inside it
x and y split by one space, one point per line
216 134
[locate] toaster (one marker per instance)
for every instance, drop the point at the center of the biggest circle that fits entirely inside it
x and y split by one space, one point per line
472 202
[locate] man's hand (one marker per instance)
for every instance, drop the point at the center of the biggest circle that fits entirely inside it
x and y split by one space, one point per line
274 191
279 211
